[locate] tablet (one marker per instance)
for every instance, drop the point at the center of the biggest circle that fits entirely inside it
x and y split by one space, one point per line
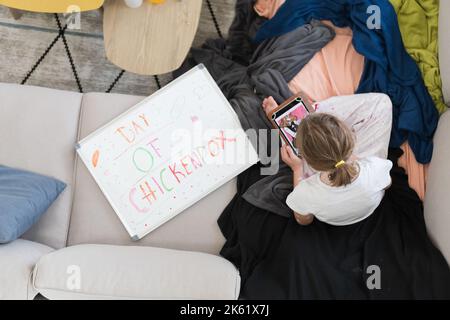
287 117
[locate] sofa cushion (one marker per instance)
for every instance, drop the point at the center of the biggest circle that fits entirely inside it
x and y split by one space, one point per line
94 221
437 201
17 260
24 197
444 48
125 272
38 130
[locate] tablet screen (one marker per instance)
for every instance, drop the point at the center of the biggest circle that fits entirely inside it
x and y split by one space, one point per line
288 119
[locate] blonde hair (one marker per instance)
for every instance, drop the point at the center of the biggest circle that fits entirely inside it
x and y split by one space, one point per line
326 143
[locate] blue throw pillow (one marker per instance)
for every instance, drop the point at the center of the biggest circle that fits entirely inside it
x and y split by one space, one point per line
24 197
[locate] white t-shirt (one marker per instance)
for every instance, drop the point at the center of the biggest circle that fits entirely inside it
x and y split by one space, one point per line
347 204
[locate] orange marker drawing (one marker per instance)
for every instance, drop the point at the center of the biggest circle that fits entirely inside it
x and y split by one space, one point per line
95 157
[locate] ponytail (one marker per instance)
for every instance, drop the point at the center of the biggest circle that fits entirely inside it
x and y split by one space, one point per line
343 175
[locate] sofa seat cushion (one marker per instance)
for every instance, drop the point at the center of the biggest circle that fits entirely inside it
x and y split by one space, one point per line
17 260
123 272
38 130
94 221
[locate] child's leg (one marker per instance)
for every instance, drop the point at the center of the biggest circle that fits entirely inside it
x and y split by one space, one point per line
369 116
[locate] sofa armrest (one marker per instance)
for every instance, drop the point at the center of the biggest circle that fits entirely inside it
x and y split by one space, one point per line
437 199
126 272
17 260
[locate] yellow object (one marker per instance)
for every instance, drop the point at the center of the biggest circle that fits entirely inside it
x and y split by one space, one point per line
156 1
339 164
419 23
52 6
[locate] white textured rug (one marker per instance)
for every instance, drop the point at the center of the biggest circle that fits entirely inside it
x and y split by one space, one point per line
23 42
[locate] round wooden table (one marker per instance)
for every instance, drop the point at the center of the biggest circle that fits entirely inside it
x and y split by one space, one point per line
152 39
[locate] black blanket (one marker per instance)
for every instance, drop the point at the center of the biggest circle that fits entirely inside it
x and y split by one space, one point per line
280 259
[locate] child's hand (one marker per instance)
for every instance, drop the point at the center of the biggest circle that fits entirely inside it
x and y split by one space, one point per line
269 104
303 220
291 159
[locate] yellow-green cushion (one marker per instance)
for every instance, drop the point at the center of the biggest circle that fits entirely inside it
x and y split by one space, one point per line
419 20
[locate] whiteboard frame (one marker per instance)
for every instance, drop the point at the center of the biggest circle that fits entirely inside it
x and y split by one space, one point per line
137 236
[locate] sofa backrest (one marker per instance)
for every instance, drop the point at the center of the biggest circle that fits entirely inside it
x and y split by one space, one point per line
94 221
38 130
444 48
437 200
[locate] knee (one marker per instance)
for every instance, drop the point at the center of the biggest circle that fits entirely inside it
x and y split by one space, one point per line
384 104
385 100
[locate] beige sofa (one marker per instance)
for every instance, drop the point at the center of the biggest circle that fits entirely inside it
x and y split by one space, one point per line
39 128
80 250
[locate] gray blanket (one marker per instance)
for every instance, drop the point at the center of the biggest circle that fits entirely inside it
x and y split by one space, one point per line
247 74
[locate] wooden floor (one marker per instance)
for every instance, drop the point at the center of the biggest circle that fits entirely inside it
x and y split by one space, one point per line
23 41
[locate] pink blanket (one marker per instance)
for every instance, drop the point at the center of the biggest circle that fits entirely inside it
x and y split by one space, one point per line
334 71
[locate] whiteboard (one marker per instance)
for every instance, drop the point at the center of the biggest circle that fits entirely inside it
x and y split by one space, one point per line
167 152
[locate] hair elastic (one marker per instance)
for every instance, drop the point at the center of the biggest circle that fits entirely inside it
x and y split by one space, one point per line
339 164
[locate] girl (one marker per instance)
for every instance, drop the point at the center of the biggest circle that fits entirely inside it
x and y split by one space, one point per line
341 189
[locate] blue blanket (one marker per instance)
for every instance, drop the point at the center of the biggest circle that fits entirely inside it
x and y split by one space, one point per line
388 68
